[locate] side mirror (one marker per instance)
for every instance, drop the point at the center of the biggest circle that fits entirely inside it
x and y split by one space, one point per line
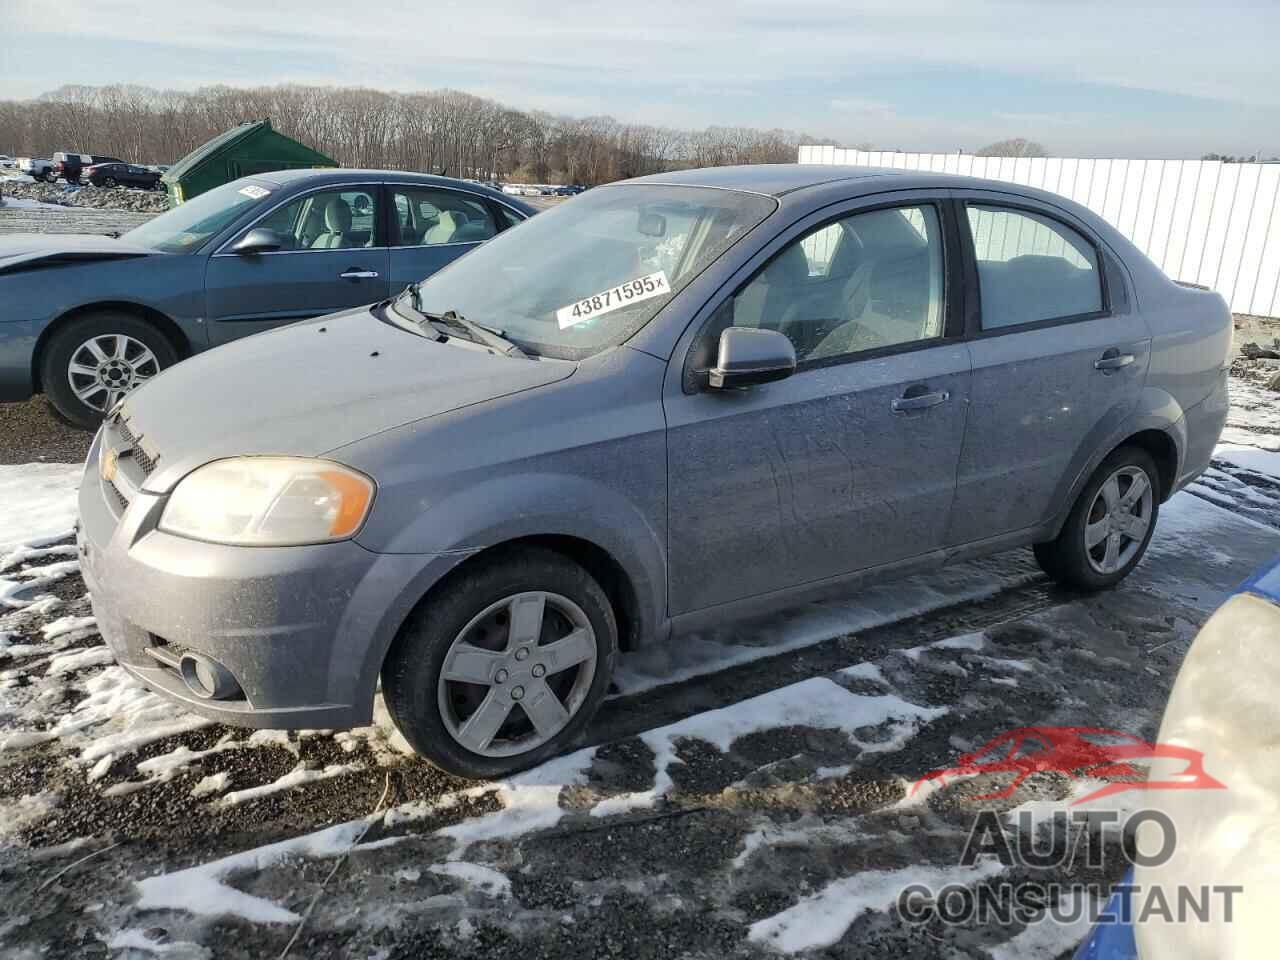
257 240
749 356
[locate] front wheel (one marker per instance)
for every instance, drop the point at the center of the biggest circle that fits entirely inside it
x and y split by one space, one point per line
92 362
1110 524
504 666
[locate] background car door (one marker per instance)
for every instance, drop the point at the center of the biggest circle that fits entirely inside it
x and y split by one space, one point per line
851 462
1059 360
334 257
431 227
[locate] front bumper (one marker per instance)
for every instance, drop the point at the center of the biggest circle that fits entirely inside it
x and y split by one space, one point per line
302 629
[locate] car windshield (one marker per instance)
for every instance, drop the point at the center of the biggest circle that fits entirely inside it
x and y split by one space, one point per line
587 275
187 226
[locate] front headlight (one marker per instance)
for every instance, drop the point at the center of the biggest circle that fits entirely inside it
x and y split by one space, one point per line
269 501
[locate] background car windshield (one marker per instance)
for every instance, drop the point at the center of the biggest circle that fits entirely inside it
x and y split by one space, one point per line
585 276
188 226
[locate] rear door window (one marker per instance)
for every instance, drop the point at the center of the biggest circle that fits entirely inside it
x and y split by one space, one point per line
1032 268
426 217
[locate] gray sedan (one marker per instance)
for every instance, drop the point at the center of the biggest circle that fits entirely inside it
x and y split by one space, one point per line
87 319
665 404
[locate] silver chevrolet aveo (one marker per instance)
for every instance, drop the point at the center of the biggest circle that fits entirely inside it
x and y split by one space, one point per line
665 404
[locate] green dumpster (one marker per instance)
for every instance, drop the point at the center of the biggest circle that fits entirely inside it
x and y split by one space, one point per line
250 148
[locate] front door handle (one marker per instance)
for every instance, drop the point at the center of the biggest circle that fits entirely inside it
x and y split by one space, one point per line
1113 359
356 273
921 401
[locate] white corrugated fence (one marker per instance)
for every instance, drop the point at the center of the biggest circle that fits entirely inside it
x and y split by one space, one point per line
1202 221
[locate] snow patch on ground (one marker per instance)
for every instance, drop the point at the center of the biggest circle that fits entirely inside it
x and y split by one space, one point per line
201 890
296 777
485 879
40 501
819 703
1051 937
821 919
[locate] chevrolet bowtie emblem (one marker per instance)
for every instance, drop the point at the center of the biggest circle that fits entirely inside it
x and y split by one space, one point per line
107 464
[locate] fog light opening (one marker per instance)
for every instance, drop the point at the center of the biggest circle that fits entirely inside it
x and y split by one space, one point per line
208 679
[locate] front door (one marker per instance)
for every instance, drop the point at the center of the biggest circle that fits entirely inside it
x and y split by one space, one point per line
851 462
1059 362
334 256
431 227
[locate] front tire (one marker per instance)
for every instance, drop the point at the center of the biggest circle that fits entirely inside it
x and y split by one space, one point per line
504 666
1110 525
92 362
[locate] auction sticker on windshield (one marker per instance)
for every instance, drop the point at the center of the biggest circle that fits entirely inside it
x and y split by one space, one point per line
606 301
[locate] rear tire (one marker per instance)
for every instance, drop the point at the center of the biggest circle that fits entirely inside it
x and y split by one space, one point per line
1107 532
109 182
515 660
146 352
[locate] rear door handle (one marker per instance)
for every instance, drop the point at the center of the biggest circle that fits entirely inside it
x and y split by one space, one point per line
356 273
1113 359
921 401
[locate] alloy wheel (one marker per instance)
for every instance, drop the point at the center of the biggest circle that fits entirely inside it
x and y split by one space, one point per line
106 367
1118 520
517 673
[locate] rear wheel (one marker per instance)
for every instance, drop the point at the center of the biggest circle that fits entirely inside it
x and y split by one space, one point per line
108 181
1110 525
504 667
92 362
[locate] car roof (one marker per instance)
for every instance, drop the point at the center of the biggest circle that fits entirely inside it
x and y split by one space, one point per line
782 179
312 176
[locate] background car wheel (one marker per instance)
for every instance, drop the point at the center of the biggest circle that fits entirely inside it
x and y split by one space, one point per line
109 181
504 666
1109 526
95 360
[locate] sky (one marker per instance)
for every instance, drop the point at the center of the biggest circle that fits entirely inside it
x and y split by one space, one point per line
1084 78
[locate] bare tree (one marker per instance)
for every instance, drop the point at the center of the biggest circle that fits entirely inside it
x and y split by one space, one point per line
439 131
1016 147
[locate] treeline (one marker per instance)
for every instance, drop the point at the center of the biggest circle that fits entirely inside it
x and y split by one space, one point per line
441 131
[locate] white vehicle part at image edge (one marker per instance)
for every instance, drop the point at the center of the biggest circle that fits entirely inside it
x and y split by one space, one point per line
1223 704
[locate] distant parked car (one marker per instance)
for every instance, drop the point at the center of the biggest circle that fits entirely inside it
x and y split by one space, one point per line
667 403
99 316
38 168
6 160
123 175
568 191
71 166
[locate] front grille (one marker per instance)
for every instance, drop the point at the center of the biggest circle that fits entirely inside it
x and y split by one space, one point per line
133 444
121 499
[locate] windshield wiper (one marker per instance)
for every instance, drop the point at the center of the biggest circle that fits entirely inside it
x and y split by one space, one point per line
477 331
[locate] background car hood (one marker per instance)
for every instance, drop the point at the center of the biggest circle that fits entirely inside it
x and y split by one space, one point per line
311 387
28 250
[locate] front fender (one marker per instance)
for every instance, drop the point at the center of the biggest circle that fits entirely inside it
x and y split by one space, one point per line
480 515
1156 409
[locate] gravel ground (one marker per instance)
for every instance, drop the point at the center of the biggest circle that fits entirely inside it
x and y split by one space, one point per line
31 432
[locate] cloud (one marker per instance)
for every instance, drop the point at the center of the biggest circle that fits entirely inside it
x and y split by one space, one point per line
834 67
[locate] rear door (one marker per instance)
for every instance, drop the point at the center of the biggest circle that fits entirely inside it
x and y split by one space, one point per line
334 257
851 462
1059 360
431 227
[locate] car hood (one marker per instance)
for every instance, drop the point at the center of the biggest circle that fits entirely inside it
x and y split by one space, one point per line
22 251
312 387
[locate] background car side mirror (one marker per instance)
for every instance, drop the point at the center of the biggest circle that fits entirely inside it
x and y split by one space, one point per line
749 356
258 240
